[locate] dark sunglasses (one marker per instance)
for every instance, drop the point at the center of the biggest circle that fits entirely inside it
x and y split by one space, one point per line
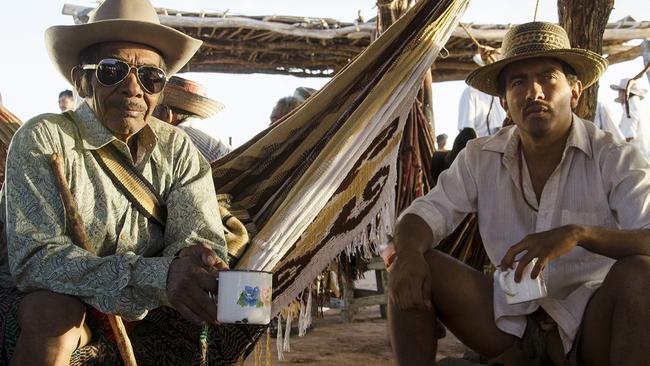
110 71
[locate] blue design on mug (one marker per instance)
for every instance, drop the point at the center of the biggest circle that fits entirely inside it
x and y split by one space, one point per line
250 297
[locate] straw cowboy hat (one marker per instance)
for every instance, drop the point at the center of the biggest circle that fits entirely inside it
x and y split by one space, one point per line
190 96
114 21
538 39
636 90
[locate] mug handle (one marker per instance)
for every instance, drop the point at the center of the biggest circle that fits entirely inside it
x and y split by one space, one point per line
504 284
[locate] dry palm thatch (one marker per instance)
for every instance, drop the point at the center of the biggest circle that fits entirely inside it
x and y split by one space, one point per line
317 47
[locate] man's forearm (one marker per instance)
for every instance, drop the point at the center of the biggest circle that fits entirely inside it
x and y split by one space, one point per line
412 234
614 243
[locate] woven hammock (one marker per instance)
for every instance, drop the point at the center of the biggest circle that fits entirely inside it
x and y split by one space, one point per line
9 123
323 181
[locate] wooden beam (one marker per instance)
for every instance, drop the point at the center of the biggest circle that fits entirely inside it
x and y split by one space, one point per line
645 49
448 75
351 32
627 55
619 34
233 47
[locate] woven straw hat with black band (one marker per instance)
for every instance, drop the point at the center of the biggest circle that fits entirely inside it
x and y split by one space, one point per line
533 40
191 97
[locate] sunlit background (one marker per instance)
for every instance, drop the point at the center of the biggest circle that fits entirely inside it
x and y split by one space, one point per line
30 85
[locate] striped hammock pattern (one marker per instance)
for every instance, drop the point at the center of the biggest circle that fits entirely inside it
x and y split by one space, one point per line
324 180
9 123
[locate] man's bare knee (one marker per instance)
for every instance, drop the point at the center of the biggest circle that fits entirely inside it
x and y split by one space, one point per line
438 260
45 314
631 274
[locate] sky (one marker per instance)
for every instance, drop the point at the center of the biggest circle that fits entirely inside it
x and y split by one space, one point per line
30 85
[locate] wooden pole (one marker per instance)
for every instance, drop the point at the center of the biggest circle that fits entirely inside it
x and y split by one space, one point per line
80 239
585 22
645 46
427 100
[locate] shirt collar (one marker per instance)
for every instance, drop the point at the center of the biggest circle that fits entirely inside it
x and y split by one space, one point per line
95 135
507 139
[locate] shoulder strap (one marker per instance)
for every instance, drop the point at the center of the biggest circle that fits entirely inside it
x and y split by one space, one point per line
134 186
130 181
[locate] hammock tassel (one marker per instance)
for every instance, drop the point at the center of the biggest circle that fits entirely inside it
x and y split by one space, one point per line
268 347
278 340
308 312
302 318
258 354
286 347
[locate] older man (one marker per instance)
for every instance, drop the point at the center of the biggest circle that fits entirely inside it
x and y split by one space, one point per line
118 63
552 187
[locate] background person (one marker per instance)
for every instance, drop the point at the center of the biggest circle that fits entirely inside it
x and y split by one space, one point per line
185 105
441 141
66 100
636 127
479 110
282 107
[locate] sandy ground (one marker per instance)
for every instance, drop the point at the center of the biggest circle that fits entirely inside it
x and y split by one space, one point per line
332 342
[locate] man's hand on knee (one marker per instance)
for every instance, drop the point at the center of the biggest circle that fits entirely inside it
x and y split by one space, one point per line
409 282
190 279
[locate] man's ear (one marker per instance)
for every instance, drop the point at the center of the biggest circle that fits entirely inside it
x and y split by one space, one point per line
576 92
81 84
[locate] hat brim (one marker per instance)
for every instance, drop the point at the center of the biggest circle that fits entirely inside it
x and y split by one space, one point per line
588 65
64 43
635 90
201 106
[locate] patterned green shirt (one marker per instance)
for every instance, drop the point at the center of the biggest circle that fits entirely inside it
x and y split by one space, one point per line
128 275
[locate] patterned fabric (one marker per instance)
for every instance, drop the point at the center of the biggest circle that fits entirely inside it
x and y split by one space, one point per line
9 330
162 338
211 148
324 180
599 182
128 275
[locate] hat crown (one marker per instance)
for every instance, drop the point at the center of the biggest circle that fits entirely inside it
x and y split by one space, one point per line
534 37
140 10
186 85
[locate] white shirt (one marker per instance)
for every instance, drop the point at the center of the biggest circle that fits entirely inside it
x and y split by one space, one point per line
604 119
478 110
637 127
599 182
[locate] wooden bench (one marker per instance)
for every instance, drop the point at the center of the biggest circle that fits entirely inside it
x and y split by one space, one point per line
354 298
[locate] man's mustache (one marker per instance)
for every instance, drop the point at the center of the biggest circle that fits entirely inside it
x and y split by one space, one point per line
536 106
130 105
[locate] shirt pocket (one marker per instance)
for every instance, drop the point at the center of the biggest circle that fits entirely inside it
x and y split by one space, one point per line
589 218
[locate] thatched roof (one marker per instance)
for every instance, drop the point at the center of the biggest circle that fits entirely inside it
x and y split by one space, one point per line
309 47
